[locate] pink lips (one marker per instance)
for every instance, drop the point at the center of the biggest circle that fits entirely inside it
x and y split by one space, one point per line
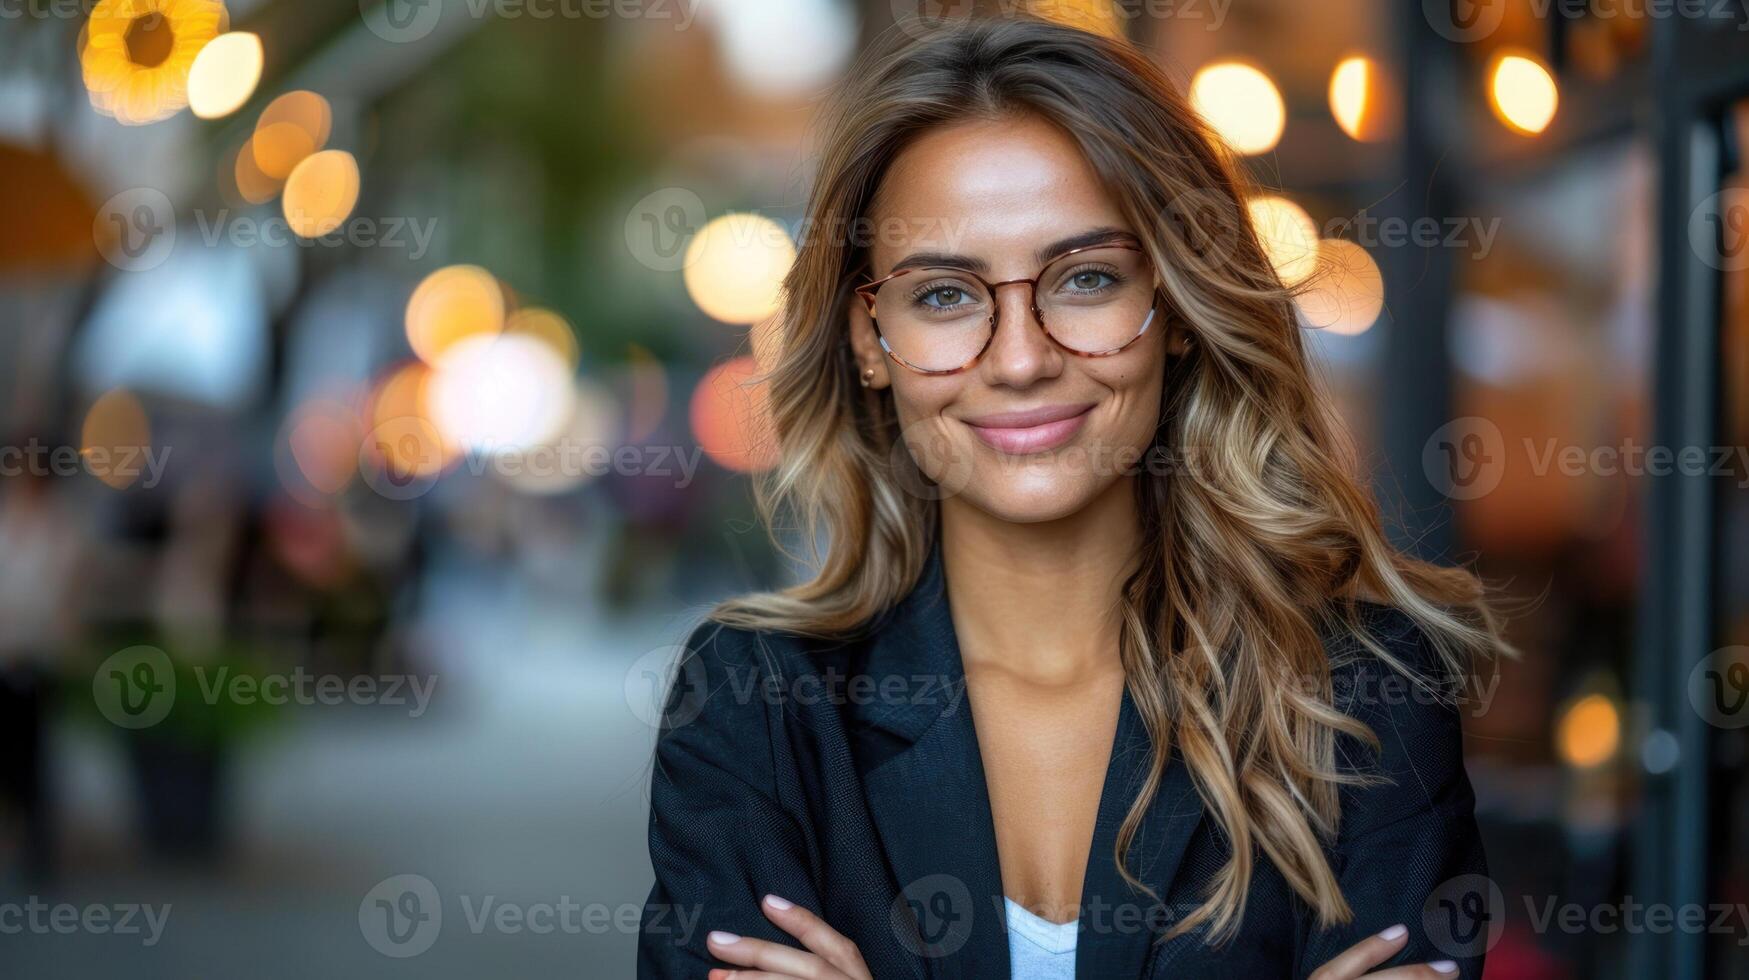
1032 431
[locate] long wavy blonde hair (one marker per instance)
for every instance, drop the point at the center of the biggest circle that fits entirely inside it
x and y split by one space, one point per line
1250 551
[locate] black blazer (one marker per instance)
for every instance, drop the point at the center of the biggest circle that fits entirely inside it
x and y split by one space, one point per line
846 777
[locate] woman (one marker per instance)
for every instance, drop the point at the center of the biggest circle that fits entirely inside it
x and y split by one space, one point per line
1043 395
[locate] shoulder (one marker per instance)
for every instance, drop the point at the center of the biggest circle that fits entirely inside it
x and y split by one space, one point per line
726 676
1410 672
1412 704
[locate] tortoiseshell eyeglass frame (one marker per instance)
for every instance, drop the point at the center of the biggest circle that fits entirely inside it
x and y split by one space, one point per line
867 292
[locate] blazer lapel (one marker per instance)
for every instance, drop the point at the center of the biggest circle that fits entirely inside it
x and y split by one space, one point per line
924 780
1118 922
926 791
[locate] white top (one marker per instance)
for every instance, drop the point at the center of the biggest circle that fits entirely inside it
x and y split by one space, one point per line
1039 949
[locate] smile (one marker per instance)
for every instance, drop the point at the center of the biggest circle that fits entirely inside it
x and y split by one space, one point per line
1034 431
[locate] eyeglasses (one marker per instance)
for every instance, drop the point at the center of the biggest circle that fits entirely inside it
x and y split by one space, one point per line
1088 300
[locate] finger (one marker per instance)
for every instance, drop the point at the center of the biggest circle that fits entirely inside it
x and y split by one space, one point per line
1364 955
1437 970
771 957
721 974
815 934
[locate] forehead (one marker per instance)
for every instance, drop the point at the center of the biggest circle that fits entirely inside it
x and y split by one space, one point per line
992 188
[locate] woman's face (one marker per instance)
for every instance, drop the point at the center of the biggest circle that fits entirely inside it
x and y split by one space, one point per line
1030 432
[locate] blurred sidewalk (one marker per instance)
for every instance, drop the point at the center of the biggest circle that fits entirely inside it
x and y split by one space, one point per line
524 783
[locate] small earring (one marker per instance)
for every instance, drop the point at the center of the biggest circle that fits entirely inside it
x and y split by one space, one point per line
867 377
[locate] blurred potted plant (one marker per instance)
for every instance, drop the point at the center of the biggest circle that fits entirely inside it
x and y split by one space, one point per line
180 718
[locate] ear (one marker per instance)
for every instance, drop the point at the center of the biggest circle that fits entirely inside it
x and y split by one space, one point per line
1178 339
865 344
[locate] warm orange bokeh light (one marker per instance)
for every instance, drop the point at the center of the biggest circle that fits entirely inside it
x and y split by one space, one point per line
115 439
1347 291
550 329
291 128
1288 234
731 420
735 267
1242 104
321 193
1589 732
452 304
1523 94
1363 99
323 437
403 438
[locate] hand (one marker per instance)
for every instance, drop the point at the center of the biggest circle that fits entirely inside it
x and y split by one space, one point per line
830 956
1373 950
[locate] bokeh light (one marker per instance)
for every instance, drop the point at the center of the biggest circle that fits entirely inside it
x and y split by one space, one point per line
115 438
1241 103
496 394
224 74
1589 732
579 454
252 184
323 437
1093 16
291 128
135 55
1288 234
321 193
1347 291
731 419
1362 99
404 440
735 267
1523 93
451 305
549 328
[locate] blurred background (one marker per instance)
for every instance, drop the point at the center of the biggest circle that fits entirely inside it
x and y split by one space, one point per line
372 427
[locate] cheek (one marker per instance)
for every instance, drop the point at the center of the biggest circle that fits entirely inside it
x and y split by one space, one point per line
921 404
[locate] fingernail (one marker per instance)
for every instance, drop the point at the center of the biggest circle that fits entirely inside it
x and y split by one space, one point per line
724 938
1394 933
780 904
1443 966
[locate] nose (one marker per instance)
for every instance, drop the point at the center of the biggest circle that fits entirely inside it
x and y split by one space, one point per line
1020 354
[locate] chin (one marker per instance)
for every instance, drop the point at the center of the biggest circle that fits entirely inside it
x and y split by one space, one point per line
1033 500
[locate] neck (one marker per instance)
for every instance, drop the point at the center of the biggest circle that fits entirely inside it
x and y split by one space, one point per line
1040 599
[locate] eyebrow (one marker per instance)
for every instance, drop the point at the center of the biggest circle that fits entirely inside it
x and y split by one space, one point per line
971 263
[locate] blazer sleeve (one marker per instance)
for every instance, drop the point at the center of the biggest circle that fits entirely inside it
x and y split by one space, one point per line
720 837
1408 849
